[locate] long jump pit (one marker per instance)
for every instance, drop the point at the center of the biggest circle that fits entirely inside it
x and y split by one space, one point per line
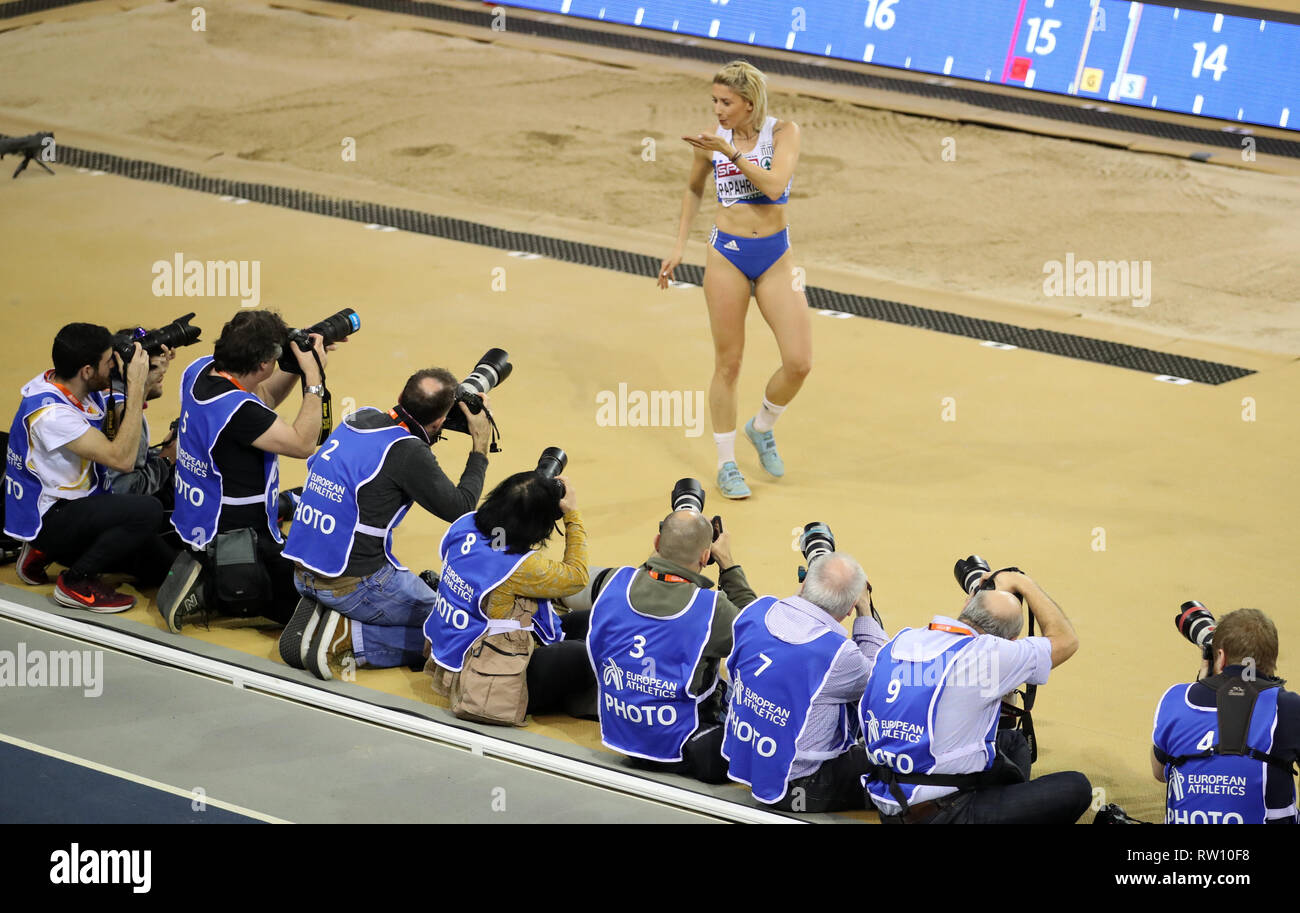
463 188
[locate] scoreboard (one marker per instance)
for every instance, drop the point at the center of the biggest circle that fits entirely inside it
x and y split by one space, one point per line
1145 54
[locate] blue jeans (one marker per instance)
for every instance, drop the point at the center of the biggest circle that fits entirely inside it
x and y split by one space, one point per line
387 610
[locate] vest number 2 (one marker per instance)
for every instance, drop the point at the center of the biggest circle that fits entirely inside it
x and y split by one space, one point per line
325 454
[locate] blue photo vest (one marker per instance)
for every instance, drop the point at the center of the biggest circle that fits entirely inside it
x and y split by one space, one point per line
773 686
897 718
23 487
471 569
199 495
644 665
328 518
1222 789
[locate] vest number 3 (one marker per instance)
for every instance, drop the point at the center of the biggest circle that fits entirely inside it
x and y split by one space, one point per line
638 647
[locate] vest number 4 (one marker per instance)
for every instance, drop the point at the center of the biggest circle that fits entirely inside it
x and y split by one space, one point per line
1206 743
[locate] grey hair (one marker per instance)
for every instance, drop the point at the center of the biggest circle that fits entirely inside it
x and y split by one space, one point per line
834 583
977 613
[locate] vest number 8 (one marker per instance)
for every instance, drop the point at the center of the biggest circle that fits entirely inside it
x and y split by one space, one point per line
469 541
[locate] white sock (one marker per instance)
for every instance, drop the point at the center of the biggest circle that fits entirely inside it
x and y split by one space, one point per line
726 444
767 416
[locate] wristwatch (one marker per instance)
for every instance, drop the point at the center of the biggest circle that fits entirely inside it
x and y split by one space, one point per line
318 389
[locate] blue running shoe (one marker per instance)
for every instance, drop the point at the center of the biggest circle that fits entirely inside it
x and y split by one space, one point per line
731 482
765 443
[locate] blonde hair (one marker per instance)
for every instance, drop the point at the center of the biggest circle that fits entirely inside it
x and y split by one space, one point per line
747 81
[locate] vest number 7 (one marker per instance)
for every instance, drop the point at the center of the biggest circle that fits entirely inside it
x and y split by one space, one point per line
767 661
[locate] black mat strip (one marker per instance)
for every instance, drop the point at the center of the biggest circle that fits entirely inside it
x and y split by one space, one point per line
1071 346
24 7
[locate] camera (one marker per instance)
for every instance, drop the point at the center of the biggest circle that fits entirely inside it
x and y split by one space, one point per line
552 462
174 335
1195 622
815 540
1113 814
688 494
491 371
968 572
331 330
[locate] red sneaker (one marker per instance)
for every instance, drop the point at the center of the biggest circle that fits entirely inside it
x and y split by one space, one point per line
31 566
90 593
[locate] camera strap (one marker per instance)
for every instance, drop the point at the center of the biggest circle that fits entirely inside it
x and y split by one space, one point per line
326 412
1235 699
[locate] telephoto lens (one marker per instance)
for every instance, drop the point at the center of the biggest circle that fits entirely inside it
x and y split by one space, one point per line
337 327
331 330
968 572
1195 622
491 371
552 462
815 540
176 334
688 494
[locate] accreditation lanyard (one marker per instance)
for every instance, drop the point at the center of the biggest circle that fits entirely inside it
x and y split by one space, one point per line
951 629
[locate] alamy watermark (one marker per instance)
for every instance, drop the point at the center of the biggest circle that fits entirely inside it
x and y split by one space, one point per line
1098 279
25 668
626 408
185 278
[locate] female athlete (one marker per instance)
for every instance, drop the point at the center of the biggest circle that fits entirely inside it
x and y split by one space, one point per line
752 157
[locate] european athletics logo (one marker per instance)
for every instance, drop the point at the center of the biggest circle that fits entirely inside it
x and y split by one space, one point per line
612 675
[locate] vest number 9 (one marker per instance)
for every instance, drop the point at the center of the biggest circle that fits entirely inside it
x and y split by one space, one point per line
469 541
638 647
895 686
14 487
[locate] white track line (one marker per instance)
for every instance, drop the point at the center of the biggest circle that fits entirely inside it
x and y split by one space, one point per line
143 781
478 743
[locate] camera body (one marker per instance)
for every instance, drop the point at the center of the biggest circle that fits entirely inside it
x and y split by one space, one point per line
174 335
331 330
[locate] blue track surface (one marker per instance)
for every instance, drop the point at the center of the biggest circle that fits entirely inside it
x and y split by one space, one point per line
38 789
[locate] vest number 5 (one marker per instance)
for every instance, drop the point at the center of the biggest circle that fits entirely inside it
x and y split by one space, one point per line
638 647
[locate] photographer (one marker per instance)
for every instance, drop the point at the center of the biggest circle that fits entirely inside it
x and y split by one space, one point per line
659 627
152 472
228 473
1227 744
57 499
795 680
931 709
357 598
494 602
